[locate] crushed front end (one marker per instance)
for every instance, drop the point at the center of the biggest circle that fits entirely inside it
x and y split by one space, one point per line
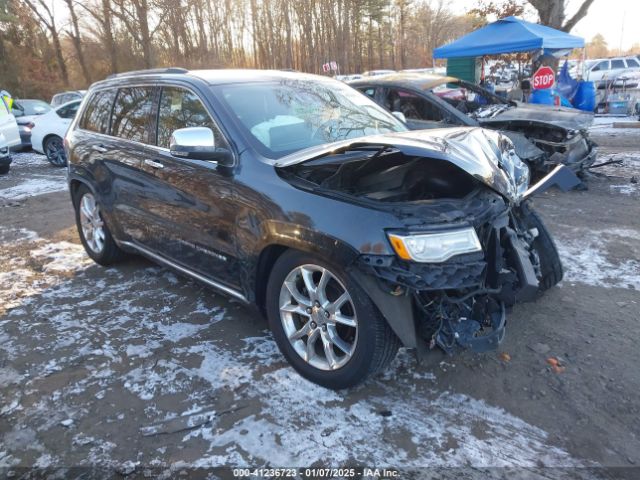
466 244
461 302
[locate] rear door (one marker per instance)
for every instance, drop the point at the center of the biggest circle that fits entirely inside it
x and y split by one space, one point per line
110 142
124 153
191 202
9 135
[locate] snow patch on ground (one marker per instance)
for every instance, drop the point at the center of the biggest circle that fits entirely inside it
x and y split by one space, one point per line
93 341
28 159
36 185
586 258
62 256
387 428
603 125
627 166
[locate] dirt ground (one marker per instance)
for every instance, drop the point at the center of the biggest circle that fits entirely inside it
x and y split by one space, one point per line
135 370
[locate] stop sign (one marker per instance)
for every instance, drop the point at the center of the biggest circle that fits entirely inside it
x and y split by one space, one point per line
544 77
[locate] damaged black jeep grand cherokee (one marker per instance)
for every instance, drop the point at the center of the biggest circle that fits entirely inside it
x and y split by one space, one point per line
300 195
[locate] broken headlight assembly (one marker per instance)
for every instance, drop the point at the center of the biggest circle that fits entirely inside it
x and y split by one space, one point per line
435 247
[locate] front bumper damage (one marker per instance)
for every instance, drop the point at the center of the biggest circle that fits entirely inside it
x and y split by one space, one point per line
461 303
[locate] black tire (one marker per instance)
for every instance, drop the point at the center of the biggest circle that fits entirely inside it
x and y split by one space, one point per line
4 169
110 253
53 147
376 344
550 264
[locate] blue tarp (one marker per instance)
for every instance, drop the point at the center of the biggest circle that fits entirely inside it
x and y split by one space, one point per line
509 35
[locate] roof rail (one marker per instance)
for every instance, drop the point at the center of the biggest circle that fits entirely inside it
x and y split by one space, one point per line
151 71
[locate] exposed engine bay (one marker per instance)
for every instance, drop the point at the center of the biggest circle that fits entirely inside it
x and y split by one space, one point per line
460 302
389 176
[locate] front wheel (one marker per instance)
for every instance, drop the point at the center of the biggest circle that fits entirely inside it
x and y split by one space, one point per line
550 263
325 324
54 150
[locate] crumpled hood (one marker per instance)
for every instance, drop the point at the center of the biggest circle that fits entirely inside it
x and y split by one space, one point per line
487 155
566 118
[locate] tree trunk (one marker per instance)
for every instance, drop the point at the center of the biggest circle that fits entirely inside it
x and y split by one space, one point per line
76 39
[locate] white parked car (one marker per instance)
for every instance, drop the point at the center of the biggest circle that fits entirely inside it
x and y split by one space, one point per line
48 133
610 68
66 97
9 136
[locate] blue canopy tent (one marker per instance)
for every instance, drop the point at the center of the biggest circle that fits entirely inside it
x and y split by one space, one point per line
509 35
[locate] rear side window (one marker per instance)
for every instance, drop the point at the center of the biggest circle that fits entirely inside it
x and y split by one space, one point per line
632 63
618 64
97 112
181 108
132 113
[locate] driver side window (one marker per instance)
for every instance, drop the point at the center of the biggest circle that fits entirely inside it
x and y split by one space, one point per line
181 108
413 106
601 66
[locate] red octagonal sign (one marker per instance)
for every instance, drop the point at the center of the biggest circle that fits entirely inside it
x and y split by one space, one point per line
544 77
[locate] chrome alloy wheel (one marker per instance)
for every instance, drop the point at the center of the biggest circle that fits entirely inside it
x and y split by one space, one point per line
91 222
318 317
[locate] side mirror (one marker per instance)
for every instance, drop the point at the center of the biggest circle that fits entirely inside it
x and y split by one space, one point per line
400 116
198 143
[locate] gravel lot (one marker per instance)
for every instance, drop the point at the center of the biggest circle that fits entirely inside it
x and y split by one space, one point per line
134 368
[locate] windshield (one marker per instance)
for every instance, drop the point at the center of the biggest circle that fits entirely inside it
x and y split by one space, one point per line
282 117
30 107
470 99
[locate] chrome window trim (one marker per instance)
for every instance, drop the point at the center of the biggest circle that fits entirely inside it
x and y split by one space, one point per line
159 85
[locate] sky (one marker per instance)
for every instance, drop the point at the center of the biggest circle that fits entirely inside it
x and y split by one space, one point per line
616 20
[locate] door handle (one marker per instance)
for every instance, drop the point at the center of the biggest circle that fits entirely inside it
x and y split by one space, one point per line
99 148
153 164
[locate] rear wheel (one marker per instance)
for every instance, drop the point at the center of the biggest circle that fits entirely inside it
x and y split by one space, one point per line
94 233
54 150
550 264
325 324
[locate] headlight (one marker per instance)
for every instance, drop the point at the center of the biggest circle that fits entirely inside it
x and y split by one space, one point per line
435 247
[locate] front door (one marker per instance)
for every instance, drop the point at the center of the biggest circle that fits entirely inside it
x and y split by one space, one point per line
193 206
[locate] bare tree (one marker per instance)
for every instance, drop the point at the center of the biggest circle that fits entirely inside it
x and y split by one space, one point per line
76 39
553 13
48 19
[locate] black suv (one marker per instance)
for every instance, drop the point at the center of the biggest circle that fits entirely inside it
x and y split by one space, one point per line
301 196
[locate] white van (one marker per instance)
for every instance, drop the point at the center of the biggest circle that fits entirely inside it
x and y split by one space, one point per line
609 68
